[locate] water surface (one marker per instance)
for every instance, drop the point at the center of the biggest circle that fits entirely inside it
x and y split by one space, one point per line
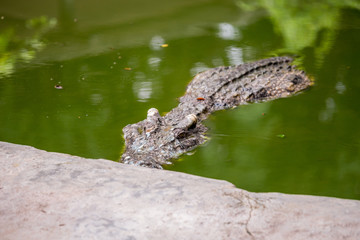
114 60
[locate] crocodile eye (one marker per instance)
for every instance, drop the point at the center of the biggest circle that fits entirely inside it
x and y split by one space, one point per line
296 79
188 122
191 121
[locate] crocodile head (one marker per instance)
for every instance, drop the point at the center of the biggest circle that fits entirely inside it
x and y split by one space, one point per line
153 141
289 83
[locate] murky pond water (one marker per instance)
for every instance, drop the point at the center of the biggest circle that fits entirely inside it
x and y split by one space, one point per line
74 73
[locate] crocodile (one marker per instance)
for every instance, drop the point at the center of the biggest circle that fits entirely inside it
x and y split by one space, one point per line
158 139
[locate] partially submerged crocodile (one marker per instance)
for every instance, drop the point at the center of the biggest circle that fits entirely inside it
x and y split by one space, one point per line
156 140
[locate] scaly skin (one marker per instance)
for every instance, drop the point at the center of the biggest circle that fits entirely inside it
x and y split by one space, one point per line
155 140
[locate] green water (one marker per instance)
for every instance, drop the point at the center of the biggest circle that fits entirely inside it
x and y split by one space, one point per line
109 60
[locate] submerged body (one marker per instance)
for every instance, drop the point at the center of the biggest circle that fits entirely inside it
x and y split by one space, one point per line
155 140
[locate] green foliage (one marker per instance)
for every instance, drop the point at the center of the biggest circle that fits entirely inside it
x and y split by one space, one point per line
15 47
300 23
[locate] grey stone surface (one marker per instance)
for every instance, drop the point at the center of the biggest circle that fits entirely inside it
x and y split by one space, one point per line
47 195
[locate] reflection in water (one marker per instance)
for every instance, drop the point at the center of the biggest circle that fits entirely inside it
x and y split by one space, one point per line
96 98
143 90
303 24
66 15
340 87
154 63
235 55
142 87
228 32
156 42
15 47
328 113
217 62
199 67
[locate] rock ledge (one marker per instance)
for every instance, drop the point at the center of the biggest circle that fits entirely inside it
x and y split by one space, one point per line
46 195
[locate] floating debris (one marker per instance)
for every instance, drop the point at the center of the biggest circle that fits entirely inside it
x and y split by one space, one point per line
164 45
2 17
127 69
58 86
281 136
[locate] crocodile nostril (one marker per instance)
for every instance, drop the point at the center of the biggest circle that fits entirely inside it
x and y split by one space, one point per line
153 112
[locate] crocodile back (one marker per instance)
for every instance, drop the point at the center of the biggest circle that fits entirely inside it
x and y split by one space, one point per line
226 87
